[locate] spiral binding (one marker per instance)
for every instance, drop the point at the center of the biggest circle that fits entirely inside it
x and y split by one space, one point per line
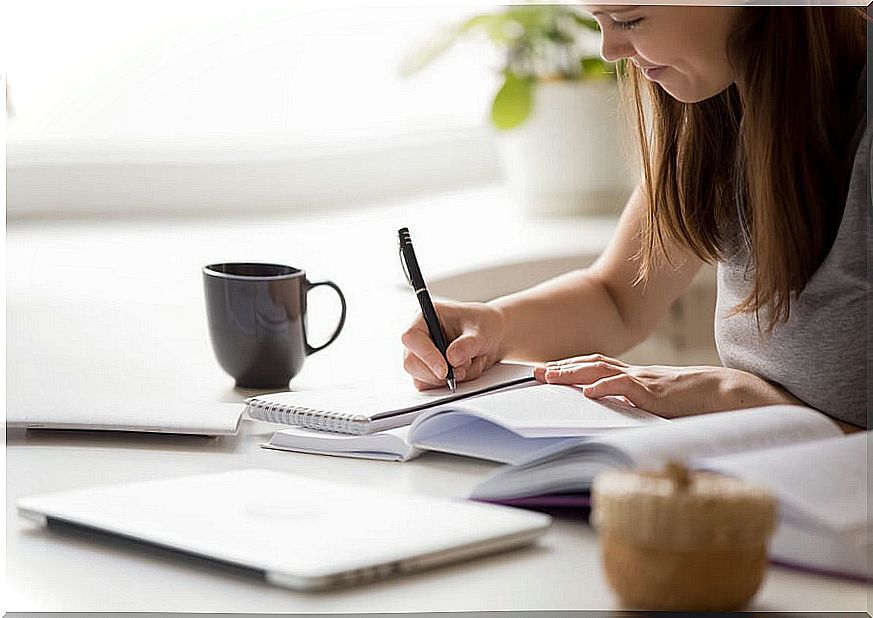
312 418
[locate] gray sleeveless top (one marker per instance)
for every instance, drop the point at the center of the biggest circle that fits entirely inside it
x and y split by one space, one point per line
820 354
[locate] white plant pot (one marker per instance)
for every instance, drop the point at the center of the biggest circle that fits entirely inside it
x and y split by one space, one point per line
569 155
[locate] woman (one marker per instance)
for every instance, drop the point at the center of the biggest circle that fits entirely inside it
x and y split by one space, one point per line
755 157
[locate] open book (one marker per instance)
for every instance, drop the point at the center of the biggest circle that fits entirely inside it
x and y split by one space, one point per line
505 426
570 467
818 474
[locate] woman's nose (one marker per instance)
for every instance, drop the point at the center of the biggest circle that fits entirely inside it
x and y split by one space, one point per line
615 47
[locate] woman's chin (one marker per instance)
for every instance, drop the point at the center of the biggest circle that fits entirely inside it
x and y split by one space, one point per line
690 95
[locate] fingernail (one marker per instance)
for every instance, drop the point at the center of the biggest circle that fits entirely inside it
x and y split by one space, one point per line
551 373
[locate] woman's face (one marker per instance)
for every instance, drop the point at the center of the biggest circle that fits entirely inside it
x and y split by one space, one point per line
682 48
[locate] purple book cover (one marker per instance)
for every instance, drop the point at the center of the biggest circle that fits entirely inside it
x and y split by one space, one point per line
571 506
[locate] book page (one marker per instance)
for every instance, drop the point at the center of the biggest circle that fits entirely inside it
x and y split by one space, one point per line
823 482
546 410
392 444
461 434
721 433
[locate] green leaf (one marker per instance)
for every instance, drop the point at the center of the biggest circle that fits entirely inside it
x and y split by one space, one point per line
596 68
513 102
504 31
589 23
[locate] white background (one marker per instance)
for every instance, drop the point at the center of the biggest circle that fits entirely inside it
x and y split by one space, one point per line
122 106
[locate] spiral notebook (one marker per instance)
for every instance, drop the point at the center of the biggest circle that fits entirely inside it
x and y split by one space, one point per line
366 409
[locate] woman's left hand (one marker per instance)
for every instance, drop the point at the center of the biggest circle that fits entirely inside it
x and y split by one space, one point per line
664 390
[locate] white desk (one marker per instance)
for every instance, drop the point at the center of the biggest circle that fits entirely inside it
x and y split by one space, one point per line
112 310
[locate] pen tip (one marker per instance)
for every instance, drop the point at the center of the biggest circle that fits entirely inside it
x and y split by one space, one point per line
452 385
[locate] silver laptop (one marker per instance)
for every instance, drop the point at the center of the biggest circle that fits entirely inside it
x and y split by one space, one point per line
289 530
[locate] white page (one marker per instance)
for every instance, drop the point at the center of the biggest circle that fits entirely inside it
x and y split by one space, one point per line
828 553
709 435
824 481
371 399
461 434
546 410
568 467
391 444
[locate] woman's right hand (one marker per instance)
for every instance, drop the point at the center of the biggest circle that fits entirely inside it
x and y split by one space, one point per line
475 332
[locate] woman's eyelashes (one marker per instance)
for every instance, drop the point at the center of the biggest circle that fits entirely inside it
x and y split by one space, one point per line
626 25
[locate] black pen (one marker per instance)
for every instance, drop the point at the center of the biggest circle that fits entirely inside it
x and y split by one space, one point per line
413 275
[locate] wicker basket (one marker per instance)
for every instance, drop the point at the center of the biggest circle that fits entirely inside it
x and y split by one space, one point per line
676 540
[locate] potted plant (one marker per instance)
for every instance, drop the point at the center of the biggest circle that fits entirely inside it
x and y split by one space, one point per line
555 110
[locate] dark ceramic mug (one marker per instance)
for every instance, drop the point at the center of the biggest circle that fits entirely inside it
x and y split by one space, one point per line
257 321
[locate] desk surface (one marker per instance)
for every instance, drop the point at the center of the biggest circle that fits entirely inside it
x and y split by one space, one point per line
104 311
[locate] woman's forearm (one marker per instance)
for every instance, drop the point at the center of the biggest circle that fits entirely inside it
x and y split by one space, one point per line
571 314
599 309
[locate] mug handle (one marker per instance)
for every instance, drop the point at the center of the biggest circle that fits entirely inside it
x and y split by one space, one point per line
309 285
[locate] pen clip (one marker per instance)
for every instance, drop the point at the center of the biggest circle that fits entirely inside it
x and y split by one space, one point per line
403 266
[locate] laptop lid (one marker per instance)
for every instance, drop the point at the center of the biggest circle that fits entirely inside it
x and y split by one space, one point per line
292 531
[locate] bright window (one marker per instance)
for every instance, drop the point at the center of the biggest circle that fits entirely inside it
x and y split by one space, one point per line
276 69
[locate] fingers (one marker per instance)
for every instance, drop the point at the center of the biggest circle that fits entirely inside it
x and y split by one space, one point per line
464 349
599 376
584 372
588 358
460 376
474 332
420 372
475 368
622 385
424 379
424 386
420 346
599 379
423 374
424 362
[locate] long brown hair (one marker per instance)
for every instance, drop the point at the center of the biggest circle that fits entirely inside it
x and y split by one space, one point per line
772 150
